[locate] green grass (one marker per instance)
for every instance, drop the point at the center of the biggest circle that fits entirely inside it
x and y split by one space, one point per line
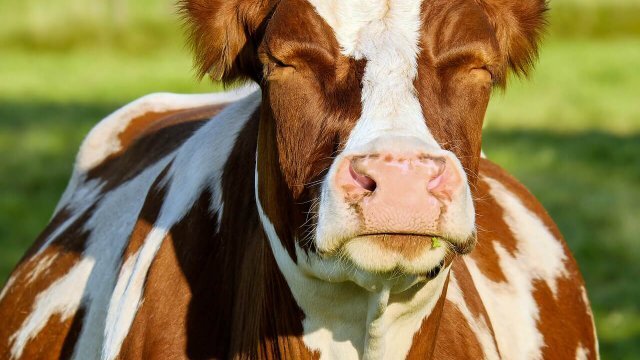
571 133
588 181
594 18
578 84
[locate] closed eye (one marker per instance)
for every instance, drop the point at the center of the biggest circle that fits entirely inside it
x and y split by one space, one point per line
276 61
272 63
489 72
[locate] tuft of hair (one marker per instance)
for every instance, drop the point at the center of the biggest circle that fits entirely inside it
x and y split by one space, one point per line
519 26
221 34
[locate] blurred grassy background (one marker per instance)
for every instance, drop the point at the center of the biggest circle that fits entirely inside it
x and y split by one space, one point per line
571 133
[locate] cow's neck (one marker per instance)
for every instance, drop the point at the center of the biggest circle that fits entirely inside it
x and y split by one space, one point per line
344 320
346 314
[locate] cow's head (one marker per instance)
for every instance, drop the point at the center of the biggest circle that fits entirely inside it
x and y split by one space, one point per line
370 126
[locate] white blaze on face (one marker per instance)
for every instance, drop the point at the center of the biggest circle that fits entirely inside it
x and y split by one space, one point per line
386 34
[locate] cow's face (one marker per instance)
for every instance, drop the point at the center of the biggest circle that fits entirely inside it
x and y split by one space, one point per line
371 121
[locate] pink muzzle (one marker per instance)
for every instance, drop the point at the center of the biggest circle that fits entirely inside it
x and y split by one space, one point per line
398 192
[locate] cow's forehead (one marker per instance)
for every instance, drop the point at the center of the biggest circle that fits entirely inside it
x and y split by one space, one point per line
363 27
385 33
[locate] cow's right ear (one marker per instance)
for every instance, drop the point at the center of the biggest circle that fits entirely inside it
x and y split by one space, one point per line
223 35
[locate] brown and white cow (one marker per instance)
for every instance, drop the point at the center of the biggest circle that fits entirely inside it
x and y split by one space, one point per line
321 215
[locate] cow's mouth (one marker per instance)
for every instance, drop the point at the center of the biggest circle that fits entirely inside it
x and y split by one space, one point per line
407 242
398 253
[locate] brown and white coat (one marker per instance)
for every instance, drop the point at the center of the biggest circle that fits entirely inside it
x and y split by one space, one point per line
248 224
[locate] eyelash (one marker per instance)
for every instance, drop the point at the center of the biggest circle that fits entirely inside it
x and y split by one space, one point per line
278 62
273 63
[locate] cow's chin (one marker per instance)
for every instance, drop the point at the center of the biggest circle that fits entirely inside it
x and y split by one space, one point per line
395 262
396 254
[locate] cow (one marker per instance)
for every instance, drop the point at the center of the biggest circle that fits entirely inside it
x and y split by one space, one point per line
336 206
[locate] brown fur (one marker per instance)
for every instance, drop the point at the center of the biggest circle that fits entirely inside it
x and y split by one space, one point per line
151 122
424 341
230 301
458 41
223 33
256 316
18 303
57 342
219 294
519 26
458 340
565 320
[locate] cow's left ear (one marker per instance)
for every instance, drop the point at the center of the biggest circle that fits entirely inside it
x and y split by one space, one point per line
223 34
519 25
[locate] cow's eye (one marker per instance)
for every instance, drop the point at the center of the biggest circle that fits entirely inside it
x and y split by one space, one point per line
273 63
277 62
483 73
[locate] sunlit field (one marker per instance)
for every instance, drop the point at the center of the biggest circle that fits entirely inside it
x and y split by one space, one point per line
571 132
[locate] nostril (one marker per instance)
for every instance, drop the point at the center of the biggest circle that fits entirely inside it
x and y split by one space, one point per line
435 182
364 181
438 177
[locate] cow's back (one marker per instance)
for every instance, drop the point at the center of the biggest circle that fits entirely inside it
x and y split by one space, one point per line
61 291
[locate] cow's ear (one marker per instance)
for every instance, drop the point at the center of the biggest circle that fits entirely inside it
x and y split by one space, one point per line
223 35
519 25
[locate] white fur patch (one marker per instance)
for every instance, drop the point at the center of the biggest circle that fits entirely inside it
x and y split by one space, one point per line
198 165
103 140
127 295
582 353
61 298
585 299
539 252
41 267
539 256
7 286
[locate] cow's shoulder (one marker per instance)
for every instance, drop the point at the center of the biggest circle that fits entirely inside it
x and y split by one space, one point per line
150 160
525 274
